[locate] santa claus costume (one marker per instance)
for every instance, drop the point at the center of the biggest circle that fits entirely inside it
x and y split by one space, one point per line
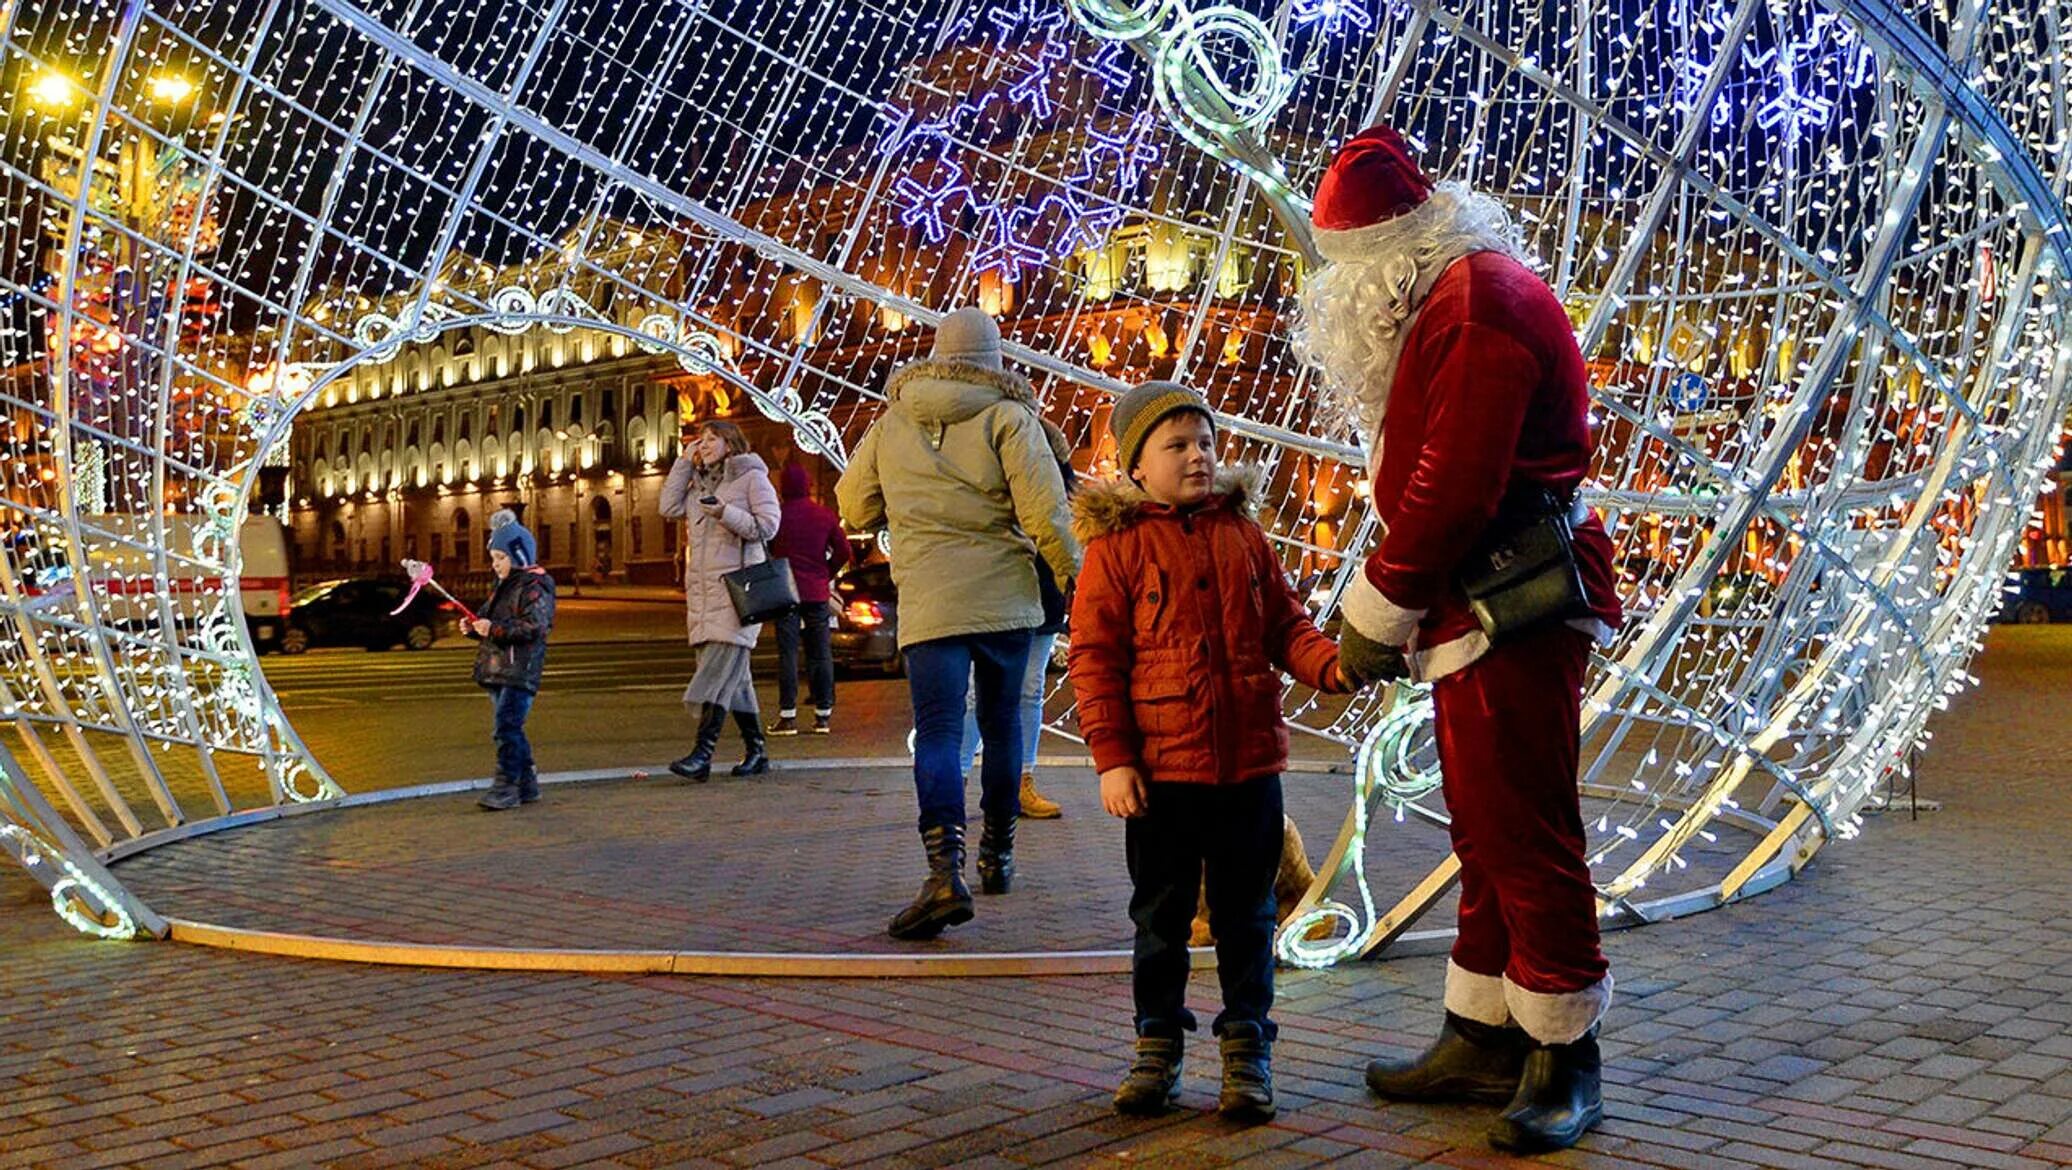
1461 366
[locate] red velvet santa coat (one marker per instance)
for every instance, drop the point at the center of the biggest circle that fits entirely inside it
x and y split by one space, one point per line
1490 392
1181 624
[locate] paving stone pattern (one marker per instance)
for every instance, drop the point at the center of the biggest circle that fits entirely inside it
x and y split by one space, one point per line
1904 1004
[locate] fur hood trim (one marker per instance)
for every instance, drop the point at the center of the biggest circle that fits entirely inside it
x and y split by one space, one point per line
1011 385
1103 507
745 463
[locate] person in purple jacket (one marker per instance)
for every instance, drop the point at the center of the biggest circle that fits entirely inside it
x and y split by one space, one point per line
811 538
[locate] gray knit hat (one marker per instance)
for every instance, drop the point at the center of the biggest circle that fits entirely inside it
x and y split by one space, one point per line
1139 411
967 335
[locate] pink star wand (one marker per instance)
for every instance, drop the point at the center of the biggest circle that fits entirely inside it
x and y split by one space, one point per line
421 576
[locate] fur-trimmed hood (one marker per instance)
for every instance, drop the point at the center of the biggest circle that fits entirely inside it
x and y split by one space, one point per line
944 392
745 463
1102 507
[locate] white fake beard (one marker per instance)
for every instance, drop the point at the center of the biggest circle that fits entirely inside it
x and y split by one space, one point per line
1356 312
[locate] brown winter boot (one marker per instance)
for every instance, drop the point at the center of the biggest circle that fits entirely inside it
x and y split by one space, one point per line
1035 805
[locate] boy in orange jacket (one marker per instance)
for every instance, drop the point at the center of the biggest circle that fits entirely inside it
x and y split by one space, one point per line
1183 620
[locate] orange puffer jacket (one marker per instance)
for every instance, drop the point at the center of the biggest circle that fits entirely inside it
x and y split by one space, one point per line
1179 624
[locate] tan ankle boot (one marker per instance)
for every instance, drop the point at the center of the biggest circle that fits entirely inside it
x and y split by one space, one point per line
1035 805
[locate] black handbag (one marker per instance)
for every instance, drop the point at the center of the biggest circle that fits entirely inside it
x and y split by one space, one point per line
1523 572
761 591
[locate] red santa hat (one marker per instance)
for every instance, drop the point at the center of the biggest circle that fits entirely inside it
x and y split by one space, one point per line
1372 180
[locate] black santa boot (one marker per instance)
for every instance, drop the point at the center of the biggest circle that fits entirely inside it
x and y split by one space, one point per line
944 899
698 765
755 759
1470 1061
1559 1098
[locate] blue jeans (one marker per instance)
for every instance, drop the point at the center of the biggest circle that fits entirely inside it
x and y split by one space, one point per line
940 674
513 750
1033 681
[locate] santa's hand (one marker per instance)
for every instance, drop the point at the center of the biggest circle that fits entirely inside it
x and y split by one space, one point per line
1362 661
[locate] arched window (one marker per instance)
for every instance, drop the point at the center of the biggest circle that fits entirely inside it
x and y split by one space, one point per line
546 416
438 429
467 425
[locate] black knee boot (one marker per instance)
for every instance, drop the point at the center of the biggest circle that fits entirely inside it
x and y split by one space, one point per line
944 899
698 765
1559 1098
755 758
1470 1061
996 854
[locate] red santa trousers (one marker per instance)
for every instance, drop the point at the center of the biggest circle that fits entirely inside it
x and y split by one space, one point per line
1508 728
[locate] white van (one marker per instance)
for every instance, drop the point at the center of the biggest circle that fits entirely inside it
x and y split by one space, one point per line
262 584
128 586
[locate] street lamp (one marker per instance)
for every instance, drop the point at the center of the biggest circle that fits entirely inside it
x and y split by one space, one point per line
169 88
53 90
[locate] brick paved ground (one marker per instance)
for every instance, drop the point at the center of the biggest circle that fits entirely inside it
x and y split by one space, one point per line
1905 1004
798 860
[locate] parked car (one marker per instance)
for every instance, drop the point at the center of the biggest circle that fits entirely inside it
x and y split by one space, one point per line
2035 596
866 620
356 612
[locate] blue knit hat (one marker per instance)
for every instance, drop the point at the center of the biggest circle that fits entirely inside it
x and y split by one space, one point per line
513 538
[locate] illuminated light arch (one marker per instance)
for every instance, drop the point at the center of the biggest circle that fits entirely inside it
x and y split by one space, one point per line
1811 521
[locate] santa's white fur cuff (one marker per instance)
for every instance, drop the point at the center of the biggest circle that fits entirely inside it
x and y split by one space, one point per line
1558 1017
1376 617
1476 997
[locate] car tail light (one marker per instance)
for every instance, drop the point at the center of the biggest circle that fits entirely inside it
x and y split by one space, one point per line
866 613
283 598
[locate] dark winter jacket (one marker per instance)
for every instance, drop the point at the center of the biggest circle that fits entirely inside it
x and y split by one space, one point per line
520 614
810 537
1179 624
1057 613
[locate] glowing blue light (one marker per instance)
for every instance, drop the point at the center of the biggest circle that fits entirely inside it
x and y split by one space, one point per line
1132 153
1038 18
1006 251
1111 65
928 208
1033 90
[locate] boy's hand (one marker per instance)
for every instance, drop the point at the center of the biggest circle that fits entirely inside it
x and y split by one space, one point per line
1122 792
481 627
1362 660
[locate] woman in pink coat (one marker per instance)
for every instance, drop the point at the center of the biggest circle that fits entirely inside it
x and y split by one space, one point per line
722 491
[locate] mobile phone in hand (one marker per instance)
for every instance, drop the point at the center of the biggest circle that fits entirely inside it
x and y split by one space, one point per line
708 499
